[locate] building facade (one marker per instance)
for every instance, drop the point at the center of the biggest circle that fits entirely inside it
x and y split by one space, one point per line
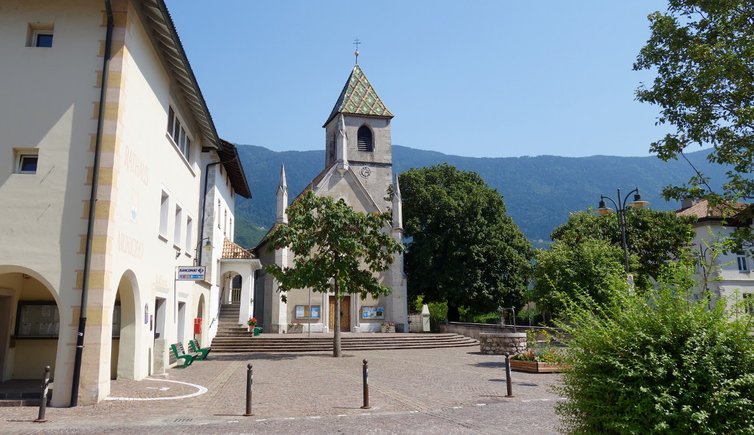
359 170
725 275
111 176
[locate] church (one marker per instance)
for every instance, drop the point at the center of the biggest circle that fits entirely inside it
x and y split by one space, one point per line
358 169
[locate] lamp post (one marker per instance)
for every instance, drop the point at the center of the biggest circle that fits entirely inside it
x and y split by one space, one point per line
620 207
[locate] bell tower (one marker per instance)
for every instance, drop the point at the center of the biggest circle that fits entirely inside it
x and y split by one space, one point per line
357 135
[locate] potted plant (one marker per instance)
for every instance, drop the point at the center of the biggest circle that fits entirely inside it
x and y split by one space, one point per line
252 322
387 327
545 357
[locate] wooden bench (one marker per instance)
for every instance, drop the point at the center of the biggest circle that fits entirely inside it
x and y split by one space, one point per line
181 354
196 349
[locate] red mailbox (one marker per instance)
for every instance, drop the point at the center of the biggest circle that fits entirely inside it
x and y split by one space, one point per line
198 325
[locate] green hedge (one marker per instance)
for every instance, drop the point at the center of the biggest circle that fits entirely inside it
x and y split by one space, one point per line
658 363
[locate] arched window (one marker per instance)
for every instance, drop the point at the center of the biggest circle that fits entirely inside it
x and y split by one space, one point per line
365 141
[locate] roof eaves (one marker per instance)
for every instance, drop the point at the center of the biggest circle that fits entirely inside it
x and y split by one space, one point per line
171 47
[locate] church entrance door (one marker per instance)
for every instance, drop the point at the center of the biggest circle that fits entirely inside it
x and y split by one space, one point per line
345 314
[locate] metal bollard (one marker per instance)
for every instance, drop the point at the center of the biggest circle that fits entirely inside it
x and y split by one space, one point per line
365 371
508 384
43 397
249 382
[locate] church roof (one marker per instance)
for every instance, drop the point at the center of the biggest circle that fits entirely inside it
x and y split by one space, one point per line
358 97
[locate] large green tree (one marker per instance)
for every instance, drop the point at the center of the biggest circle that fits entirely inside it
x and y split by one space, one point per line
464 248
703 54
334 249
653 237
593 267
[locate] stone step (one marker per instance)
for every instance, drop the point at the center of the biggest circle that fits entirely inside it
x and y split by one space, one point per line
245 342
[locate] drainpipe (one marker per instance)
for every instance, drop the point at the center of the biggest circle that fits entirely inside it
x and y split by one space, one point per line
204 207
92 207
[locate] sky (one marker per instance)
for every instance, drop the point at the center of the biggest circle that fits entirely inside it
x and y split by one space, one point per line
478 78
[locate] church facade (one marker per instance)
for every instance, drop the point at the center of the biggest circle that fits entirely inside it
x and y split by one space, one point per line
359 170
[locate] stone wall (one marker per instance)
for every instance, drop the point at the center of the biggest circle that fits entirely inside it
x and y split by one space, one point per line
502 342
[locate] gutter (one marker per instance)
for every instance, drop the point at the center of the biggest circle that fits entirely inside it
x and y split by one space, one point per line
92 208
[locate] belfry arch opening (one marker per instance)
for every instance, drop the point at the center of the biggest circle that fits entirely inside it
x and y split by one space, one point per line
365 139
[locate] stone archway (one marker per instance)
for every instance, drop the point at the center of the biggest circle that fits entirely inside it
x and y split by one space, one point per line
30 312
124 361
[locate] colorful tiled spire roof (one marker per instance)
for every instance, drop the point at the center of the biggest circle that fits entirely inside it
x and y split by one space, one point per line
358 97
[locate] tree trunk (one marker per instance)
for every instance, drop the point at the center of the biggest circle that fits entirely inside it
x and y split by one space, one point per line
453 314
336 349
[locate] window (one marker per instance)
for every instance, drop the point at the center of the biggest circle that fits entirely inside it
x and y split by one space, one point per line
26 161
217 216
189 229
178 225
164 203
178 134
39 35
230 229
743 265
365 141
225 222
749 303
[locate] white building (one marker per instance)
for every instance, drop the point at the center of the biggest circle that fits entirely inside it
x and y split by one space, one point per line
99 105
729 275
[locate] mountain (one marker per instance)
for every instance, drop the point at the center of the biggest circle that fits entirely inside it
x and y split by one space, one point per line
539 192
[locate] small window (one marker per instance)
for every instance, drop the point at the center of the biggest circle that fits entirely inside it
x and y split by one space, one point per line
365 141
225 222
743 265
217 217
39 35
164 203
26 163
178 225
178 134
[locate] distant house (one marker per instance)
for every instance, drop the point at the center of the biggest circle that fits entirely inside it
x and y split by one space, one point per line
729 275
112 175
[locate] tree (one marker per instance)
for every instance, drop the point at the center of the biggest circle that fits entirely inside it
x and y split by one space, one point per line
703 53
334 249
653 237
657 362
593 267
464 247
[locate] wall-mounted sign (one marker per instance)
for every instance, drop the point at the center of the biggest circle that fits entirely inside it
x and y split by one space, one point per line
189 273
307 312
372 313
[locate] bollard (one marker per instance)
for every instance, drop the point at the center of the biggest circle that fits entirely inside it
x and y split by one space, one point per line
508 384
365 371
43 398
249 382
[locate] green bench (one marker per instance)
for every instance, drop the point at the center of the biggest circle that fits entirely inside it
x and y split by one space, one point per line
196 349
180 354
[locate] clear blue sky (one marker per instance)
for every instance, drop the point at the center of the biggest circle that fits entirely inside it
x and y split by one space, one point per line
474 78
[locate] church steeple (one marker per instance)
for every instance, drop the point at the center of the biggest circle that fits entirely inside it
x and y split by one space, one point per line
358 97
281 211
397 206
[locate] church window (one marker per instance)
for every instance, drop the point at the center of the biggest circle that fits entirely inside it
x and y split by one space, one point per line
365 140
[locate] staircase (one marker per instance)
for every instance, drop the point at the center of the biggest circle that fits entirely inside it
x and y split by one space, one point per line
234 338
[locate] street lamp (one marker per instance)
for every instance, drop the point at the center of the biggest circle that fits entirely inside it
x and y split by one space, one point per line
620 208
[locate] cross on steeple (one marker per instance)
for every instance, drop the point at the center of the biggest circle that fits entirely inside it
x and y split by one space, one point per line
356 42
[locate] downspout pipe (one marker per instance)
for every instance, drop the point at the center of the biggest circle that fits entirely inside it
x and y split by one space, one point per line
204 206
92 207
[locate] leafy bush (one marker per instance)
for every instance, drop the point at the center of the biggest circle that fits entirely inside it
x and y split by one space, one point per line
657 363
